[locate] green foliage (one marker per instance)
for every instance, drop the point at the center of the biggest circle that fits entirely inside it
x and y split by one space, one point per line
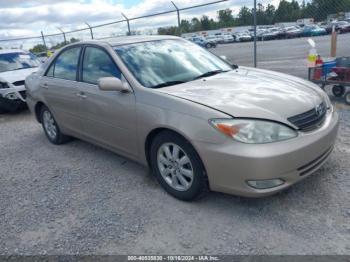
287 11
41 48
38 49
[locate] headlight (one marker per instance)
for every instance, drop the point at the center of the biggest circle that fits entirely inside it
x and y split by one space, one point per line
253 131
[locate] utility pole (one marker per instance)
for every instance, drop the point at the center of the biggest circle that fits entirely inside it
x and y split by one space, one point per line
178 17
127 21
64 35
91 33
43 38
254 17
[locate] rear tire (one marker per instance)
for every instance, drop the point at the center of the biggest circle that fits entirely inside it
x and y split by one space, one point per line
51 128
178 167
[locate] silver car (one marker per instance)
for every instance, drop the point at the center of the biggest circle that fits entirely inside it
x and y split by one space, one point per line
197 121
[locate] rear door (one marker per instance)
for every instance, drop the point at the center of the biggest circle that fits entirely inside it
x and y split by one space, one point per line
108 116
59 87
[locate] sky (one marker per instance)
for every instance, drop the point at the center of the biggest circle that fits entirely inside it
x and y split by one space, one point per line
21 18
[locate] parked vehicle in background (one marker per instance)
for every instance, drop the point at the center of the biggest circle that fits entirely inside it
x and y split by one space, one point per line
343 27
213 38
197 121
313 30
327 26
42 56
293 31
220 37
242 37
203 42
15 66
271 34
228 38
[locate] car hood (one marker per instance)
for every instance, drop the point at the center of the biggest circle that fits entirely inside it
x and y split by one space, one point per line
16 75
248 92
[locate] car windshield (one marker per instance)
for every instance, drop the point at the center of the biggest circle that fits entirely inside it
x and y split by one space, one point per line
168 62
17 60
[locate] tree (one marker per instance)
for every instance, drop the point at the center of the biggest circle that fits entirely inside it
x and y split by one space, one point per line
205 23
38 48
195 25
185 26
245 16
225 17
270 14
171 30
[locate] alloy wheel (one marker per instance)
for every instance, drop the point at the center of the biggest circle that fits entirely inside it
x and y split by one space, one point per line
50 125
175 166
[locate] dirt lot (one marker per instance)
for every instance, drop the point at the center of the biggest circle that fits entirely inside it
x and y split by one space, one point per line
78 198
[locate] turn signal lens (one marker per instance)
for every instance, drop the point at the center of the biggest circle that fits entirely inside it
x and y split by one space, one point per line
228 129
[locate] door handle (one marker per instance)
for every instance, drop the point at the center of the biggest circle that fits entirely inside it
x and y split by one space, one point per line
45 85
81 95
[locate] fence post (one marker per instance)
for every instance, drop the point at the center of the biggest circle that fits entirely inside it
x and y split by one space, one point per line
254 17
178 17
127 21
43 38
64 35
91 33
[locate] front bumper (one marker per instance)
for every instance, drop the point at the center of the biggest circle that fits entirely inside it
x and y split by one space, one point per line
230 165
14 93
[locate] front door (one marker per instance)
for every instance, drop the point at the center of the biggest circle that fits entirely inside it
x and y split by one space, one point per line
108 116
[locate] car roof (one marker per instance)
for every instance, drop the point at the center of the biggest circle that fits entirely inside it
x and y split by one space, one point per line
123 40
8 51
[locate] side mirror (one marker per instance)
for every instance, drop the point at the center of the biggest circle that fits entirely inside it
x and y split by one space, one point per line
111 84
223 57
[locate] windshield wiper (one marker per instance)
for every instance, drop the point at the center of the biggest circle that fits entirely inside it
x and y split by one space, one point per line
210 73
170 83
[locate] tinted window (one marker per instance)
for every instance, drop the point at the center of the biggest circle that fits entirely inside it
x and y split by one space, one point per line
65 66
97 64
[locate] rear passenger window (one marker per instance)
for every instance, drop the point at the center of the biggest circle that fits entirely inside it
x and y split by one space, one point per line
65 66
96 64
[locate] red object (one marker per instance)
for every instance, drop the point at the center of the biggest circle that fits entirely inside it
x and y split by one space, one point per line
318 73
318 69
319 61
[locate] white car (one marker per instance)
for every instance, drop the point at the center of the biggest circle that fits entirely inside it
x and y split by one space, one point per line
15 66
242 37
228 38
213 38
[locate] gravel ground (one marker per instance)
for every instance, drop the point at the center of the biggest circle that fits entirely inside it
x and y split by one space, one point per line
78 198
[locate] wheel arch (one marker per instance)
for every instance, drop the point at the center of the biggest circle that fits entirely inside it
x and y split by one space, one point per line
37 110
153 133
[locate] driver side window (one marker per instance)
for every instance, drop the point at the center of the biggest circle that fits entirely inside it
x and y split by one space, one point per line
96 64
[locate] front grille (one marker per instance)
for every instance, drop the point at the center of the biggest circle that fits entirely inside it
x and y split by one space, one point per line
310 119
18 83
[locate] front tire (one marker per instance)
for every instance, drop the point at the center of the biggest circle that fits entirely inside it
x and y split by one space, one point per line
51 128
177 166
